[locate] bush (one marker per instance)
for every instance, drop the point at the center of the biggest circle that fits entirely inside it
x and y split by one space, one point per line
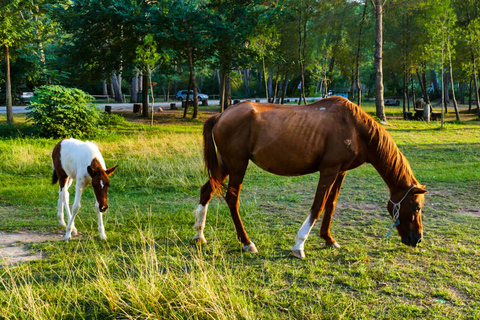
60 112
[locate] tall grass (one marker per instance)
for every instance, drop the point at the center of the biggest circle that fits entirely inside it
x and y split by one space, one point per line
149 267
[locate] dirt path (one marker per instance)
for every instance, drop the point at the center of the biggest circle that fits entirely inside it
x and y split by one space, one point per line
13 246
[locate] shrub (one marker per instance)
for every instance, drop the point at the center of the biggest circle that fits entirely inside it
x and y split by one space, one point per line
60 112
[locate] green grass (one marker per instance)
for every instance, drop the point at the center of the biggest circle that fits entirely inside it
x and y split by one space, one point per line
150 268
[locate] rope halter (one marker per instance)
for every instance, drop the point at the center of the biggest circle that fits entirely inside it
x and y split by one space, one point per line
396 211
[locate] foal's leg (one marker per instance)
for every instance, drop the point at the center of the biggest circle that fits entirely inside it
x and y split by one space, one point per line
71 230
232 199
327 178
206 194
61 201
329 209
101 227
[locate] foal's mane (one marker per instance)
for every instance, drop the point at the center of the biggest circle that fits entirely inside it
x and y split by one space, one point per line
394 163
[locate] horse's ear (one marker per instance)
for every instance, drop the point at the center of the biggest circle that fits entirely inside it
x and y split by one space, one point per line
419 190
111 170
90 171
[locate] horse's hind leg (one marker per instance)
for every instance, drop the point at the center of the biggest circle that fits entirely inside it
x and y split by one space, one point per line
329 209
61 201
232 199
206 193
327 179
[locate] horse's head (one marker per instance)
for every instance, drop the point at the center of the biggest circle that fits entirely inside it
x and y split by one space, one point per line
100 183
406 211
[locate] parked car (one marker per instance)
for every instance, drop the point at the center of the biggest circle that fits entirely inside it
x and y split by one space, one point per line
26 96
182 95
392 102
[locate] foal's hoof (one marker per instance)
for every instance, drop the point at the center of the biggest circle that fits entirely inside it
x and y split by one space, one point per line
74 232
199 239
333 245
250 248
300 254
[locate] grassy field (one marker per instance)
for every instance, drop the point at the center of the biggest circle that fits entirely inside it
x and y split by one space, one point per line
150 268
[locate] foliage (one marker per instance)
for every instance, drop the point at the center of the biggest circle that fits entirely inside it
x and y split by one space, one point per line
60 112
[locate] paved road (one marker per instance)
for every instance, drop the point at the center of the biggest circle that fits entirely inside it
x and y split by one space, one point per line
129 106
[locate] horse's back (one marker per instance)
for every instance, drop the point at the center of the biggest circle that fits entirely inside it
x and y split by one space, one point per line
76 156
285 140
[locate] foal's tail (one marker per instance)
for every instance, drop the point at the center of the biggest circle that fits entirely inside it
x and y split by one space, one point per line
54 177
211 157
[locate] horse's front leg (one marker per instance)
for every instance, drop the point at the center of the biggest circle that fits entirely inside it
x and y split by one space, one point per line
101 227
329 209
71 230
327 179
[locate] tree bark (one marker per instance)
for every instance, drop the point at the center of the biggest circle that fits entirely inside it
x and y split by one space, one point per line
144 95
455 107
117 88
8 85
285 87
475 83
246 83
193 80
134 97
470 95
357 57
104 88
379 103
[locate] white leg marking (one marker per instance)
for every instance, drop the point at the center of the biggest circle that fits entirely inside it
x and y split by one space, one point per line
302 235
250 248
200 219
101 227
60 216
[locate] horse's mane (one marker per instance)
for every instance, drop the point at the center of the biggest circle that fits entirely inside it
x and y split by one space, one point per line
394 163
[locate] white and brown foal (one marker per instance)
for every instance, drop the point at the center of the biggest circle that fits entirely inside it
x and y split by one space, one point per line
81 161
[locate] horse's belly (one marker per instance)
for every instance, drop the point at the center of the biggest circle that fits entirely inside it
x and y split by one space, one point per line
286 164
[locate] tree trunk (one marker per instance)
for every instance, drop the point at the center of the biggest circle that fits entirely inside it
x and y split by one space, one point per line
104 88
379 103
446 84
470 95
144 95
117 88
413 91
8 85
246 83
225 93
357 57
270 87
265 80
405 89
475 83
191 66
285 87
455 107
134 97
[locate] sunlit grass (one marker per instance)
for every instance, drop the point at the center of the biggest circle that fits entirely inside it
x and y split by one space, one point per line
150 268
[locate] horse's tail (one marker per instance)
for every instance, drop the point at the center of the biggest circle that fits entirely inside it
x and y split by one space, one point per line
211 157
54 177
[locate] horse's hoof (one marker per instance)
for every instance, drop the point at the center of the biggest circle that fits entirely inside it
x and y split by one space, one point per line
74 232
199 239
333 245
62 223
67 238
300 254
103 237
250 248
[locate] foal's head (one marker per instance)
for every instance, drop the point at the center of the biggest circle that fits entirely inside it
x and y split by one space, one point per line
100 182
409 207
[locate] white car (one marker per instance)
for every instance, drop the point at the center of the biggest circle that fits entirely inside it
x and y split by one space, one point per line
182 95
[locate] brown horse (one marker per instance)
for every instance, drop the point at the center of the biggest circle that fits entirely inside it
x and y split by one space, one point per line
331 136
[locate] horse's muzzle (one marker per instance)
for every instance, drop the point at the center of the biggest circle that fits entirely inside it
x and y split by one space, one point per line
412 239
